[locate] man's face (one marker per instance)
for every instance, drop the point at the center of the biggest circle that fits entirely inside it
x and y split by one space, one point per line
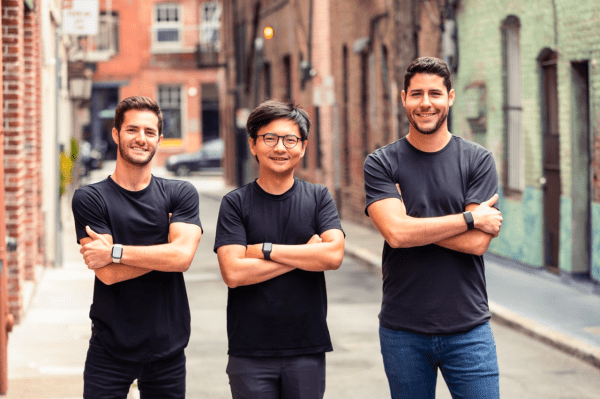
427 102
138 139
278 159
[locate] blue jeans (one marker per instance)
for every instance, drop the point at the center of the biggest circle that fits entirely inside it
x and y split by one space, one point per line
105 377
467 361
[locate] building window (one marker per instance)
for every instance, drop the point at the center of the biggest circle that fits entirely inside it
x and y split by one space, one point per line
167 27
169 100
108 32
514 173
287 77
210 26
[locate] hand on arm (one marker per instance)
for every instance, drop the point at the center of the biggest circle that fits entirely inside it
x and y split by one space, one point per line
403 231
324 252
111 273
175 256
237 269
488 222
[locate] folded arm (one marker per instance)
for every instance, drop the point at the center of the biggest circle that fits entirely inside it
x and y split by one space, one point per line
238 270
175 256
474 242
115 272
320 253
403 231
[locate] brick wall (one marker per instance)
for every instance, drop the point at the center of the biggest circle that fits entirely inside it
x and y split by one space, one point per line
14 145
572 30
32 143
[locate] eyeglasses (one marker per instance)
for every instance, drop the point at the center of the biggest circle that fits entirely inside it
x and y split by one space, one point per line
271 139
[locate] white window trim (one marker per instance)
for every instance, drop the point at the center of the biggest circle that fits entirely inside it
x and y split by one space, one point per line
182 106
166 47
213 24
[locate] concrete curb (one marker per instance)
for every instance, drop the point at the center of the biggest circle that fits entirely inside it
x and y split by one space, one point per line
575 347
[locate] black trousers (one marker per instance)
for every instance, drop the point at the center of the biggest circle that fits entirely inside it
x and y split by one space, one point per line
105 377
287 377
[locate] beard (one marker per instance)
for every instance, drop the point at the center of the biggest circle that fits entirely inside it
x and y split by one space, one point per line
135 161
432 130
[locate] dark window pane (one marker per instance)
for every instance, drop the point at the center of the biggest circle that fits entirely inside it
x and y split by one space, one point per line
168 35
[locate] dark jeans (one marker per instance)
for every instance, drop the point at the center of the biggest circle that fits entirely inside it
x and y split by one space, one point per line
467 361
287 377
105 377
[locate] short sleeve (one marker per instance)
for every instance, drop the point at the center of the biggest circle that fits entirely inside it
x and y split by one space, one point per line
327 216
89 209
186 204
380 179
230 223
483 182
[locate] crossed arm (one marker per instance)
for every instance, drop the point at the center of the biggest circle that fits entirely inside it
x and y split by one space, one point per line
175 256
242 265
450 231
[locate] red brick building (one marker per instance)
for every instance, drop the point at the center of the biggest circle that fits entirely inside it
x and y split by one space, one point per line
341 60
24 222
166 51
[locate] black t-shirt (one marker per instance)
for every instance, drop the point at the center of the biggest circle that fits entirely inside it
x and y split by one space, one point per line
148 317
430 289
286 315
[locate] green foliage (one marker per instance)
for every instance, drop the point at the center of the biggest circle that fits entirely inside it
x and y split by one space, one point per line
66 163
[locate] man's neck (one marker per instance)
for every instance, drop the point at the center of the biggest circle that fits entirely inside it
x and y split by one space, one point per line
132 177
275 184
429 142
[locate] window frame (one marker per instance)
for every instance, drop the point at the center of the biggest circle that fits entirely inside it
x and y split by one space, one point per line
172 141
214 25
167 46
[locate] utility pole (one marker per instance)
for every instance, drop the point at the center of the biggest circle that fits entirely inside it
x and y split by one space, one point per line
406 48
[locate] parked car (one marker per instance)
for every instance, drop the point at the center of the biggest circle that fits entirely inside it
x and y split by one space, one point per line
207 158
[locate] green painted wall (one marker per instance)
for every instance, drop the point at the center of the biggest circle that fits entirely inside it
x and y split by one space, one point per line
572 29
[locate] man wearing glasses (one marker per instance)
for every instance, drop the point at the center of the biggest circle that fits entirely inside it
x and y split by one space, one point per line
275 238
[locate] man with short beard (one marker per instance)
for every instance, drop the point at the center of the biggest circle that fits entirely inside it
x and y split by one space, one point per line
138 233
431 196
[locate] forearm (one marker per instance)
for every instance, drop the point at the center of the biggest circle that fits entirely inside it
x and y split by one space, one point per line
405 231
474 242
240 272
164 257
310 257
116 273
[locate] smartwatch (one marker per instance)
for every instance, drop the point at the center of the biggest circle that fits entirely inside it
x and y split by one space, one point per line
469 219
117 253
267 248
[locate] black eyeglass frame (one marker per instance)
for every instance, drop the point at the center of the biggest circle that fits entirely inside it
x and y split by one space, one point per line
298 139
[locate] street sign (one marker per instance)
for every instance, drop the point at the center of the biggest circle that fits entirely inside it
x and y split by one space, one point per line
81 18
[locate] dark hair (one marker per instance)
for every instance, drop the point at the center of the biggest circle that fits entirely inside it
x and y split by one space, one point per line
141 103
271 110
431 66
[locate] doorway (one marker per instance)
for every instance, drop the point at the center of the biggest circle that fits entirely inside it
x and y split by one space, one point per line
551 161
581 162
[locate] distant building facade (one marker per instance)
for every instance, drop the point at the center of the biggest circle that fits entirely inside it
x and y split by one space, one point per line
528 89
338 60
164 50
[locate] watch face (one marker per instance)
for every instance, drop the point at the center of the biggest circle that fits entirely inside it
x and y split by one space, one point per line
117 252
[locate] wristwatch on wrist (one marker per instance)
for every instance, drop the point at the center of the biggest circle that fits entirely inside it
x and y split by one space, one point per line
469 219
117 253
267 248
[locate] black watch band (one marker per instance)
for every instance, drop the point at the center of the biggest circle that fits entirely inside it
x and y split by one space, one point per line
469 219
267 248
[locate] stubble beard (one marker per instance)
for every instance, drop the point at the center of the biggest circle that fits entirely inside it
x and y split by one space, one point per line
134 161
427 131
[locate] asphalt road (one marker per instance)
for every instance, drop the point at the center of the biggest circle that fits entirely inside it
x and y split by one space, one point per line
47 350
529 369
